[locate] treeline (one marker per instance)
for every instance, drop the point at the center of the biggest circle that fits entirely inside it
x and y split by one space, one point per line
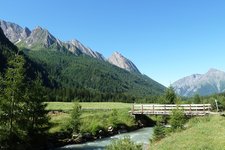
84 95
211 99
170 97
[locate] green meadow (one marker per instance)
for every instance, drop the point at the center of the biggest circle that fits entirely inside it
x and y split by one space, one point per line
202 133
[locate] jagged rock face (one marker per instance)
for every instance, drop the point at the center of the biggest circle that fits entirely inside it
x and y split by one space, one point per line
203 84
5 41
118 60
14 32
78 48
42 38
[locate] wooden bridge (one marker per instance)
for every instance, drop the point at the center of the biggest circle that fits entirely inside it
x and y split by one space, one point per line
166 109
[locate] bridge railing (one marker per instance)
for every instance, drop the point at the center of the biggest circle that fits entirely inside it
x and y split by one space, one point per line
166 109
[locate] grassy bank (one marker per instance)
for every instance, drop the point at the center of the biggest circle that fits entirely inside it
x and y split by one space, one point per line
93 118
206 133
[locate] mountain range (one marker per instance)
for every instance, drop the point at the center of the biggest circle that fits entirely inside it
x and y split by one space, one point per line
76 71
203 84
39 37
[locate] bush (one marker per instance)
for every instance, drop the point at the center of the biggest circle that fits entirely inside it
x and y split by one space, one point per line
177 119
158 133
124 144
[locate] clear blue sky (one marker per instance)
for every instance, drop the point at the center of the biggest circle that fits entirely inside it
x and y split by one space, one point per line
166 39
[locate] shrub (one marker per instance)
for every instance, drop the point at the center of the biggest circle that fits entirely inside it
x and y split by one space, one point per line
158 133
177 119
75 117
124 144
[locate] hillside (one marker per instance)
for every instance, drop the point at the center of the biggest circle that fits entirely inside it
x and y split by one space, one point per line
89 77
202 133
73 71
203 84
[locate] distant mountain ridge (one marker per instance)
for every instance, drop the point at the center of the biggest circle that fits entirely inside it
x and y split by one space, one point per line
72 71
24 37
203 84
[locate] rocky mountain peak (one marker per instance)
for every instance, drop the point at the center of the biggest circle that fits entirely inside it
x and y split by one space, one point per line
41 36
119 60
12 31
26 32
78 48
211 82
214 71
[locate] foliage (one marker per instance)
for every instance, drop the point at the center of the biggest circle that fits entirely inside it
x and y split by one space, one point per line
158 132
22 113
37 121
12 101
94 120
170 96
124 144
197 99
210 100
177 119
75 118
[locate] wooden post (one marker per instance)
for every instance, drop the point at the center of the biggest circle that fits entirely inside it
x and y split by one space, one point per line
153 109
164 109
190 110
196 110
142 109
204 109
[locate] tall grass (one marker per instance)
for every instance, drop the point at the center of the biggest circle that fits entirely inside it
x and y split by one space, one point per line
93 120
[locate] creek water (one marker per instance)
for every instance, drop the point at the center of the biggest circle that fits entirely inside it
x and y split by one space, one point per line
140 136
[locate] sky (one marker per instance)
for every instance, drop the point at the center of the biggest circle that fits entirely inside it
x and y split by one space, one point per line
165 39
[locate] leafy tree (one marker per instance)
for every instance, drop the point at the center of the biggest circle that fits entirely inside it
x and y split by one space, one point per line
124 144
75 118
177 119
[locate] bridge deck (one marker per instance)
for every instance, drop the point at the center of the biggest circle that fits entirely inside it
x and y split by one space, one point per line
166 109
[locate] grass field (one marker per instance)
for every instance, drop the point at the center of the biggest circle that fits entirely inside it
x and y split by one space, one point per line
65 106
206 133
92 116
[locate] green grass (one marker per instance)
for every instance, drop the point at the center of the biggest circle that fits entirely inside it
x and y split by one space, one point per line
65 106
58 121
92 118
206 133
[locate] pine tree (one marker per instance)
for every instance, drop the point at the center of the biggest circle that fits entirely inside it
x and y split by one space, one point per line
170 96
36 115
12 101
22 111
75 118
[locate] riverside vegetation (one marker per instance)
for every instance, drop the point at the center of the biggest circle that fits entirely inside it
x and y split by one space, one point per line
25 123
